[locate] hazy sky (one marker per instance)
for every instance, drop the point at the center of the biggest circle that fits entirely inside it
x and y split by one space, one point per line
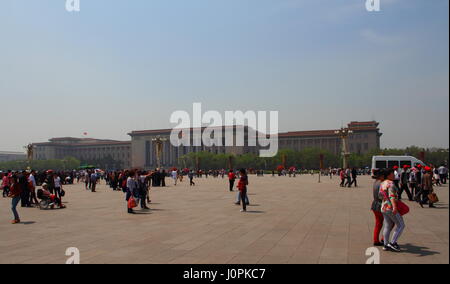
122 65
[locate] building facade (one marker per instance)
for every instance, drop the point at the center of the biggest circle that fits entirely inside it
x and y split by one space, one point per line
144 145
141 151
110 153
12 156
365 137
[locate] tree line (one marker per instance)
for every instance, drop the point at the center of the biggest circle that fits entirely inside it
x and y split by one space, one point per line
306 159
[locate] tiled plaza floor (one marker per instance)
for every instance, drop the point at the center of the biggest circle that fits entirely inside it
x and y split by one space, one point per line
291 220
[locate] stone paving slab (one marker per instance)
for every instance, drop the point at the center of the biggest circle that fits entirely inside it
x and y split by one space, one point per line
291 220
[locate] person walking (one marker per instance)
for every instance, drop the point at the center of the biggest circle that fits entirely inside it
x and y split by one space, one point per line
58 185
436 177
6 184
131 190
231 179
348 176
143 189
15 193
342 176
191 178
413 183
242 186
32 184
396 177
391 215
376 207
175 176
25 189
93 180
443 173
426 188
354 177
404 180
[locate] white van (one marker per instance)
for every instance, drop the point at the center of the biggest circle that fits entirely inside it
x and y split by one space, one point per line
388 162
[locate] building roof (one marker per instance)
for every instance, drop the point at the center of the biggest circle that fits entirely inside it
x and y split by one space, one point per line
168 131
311 133
11 153
81 142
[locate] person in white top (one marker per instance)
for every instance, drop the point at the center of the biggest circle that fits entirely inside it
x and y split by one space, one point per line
58 186
32 180
175 176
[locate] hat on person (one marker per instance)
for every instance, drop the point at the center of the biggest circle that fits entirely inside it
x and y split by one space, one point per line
395 167
405 166
428 169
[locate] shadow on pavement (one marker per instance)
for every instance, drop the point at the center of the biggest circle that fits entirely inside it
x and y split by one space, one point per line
420 251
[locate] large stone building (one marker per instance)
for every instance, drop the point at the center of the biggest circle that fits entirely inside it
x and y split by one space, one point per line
12 156
143 146
140 152
113 154
365 137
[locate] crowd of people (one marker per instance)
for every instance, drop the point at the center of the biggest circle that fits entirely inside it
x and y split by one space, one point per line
22 187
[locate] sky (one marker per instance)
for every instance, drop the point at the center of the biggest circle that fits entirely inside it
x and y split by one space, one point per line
123 65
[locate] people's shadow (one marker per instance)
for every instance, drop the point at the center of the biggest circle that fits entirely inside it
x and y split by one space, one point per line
420 251
142 212
255 212
28 223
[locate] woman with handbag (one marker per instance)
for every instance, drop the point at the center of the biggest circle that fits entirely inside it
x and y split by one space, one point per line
392 210
427 188
131 191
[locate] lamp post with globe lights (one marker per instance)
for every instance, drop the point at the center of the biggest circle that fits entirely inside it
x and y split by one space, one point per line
344 133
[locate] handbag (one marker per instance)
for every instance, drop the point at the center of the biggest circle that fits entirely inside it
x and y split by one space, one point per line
132 203
63 192
402 208
433 198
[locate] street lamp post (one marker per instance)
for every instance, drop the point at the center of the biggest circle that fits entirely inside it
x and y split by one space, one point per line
344 133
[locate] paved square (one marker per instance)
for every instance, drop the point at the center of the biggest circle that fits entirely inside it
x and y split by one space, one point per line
291 220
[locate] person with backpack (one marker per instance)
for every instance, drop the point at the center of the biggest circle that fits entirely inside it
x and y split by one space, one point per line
231 179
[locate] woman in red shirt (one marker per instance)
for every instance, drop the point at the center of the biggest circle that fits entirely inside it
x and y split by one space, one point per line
232 179
242 186
14 192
